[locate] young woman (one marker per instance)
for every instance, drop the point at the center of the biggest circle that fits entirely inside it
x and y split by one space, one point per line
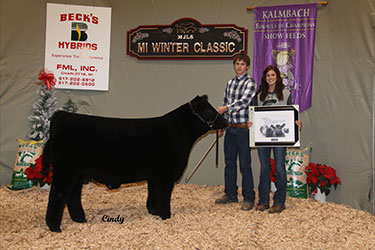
272 92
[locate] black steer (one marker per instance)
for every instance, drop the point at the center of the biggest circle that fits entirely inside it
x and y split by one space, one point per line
153 149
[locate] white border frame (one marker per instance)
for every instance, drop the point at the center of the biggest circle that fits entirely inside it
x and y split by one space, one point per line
274 126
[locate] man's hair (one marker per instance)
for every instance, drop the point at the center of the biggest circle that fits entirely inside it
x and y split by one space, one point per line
241 57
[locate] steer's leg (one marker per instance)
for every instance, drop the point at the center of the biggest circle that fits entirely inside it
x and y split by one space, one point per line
55 208
164 195
58 195
74 201
152 199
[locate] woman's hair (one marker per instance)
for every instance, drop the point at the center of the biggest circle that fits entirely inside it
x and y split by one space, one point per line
263 89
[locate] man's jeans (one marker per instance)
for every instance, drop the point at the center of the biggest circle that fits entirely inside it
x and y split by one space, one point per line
265 180
236 142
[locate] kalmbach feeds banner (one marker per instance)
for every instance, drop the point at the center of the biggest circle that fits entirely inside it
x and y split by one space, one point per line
78 45
284 36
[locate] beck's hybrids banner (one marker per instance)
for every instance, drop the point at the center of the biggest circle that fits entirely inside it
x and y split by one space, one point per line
78 46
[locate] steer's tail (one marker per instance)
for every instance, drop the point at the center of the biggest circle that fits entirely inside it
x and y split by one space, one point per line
47 157
46 163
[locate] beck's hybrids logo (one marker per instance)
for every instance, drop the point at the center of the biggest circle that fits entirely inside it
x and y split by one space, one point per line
79 31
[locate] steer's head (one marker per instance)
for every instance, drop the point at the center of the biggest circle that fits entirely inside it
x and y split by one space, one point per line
208 115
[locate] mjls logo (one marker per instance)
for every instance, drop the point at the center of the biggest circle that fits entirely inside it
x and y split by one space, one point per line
79 31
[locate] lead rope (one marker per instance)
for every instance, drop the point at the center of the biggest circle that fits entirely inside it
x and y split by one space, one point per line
210 148
217 148
205 154
200 162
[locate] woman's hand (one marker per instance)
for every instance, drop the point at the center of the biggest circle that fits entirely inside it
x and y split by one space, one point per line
299 124
249 124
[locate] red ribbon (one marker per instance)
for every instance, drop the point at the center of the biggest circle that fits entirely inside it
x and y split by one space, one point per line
46 78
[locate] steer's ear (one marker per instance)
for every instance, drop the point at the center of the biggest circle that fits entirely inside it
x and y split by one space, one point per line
196 99
199 99
201 104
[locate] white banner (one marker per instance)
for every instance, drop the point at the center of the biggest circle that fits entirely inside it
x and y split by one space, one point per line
78 46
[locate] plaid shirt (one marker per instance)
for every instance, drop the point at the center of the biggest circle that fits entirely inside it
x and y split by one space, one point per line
237 97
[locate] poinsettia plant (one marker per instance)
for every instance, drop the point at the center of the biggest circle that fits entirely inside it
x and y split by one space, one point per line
37 175
322 177
273 171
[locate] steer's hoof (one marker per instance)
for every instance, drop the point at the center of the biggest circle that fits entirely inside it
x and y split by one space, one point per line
79 219
165 216
152 211
54 229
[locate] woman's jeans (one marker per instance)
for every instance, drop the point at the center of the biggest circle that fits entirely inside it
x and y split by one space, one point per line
265 180
236 142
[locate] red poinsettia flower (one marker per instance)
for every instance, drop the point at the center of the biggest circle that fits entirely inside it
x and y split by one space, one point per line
35 173
312 165
314 180
48 178
315 172
338 180
335 180
31 173
309 175
322 169
322 177
329 173
273 171
323 183
38 163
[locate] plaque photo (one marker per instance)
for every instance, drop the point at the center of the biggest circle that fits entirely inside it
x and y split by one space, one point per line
274 126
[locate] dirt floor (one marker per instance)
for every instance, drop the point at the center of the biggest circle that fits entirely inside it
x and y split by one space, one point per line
119 220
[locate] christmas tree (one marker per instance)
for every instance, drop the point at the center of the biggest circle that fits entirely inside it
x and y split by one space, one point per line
43 108
72 106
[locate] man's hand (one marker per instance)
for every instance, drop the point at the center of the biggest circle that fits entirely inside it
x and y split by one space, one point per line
222 109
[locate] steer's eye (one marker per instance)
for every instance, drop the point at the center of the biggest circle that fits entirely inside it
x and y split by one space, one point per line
210 112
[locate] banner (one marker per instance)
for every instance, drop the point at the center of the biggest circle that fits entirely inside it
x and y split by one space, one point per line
78 45
187 38
284 36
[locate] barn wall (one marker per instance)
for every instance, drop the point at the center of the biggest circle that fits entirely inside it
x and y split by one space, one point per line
339 125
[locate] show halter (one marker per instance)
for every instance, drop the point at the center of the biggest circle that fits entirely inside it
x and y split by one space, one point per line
216 141
210 124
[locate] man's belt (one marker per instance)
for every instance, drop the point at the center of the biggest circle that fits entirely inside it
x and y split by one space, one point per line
238 125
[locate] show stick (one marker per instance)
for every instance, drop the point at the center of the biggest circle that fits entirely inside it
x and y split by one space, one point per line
201 160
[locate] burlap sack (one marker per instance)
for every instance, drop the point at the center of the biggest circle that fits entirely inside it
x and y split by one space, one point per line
296 160
27 153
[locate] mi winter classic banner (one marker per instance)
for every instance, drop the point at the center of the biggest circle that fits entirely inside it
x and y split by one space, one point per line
78 46
284 36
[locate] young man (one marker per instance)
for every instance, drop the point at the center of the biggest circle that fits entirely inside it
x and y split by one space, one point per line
238 94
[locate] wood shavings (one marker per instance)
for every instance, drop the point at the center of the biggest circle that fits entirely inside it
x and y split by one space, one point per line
196 223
